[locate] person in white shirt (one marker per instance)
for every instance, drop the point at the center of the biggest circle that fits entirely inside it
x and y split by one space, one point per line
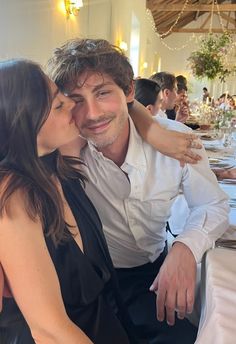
133 187
168 84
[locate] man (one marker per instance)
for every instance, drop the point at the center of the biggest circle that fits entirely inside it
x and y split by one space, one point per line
181 105
149 93
206 95
133 187
167 82
174 90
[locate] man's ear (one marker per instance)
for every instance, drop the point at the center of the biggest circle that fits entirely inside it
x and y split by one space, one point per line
130 96
165 93
150 108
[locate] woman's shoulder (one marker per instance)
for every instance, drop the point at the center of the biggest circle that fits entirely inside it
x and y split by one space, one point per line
13 200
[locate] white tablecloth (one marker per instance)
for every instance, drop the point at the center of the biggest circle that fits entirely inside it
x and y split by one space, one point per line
218 287
218 317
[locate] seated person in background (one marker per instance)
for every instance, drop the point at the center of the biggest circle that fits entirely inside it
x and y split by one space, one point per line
149 93
181 81
133 187
226 102
182 108
181 104
231 102
206 95
174 103
52 248
167 82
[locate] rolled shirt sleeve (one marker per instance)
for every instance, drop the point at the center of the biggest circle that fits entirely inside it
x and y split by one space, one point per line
208 205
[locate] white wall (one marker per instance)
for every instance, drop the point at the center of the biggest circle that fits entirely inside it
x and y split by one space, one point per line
33 28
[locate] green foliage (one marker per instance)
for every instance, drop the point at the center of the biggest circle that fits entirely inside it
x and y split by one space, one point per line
224 118
209 60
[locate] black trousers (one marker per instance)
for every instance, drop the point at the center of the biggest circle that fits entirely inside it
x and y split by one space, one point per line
141 303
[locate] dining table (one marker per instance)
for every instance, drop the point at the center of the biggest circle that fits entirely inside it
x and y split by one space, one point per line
218 268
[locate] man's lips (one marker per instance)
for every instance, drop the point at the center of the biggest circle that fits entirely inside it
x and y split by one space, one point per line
98 127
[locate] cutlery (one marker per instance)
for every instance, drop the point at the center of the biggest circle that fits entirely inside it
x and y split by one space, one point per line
227 181
226 243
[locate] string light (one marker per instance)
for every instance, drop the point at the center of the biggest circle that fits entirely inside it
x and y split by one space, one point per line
212 13
176 21
224 30
178 48
220 18
151 20
170 30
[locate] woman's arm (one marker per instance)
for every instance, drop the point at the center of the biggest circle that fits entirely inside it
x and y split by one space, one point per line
225 174
32 278
172 143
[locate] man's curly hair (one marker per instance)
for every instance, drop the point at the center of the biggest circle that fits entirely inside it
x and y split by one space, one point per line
77 56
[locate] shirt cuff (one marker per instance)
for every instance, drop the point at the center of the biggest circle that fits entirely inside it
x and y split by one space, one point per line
198 242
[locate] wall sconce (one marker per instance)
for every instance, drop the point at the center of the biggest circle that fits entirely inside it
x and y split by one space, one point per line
123 46
73 7
145 65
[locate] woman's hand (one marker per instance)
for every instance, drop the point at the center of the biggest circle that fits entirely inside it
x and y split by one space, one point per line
221 173
172 143
175 144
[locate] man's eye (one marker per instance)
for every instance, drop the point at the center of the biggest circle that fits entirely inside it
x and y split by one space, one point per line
103 93
77 100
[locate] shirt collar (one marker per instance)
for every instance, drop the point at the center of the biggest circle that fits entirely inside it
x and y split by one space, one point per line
135 156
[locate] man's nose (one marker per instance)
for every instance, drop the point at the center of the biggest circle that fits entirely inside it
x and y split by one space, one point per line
93 109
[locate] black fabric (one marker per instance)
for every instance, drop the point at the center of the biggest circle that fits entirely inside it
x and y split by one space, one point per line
141 303
87 280
171 114
193 126
170 231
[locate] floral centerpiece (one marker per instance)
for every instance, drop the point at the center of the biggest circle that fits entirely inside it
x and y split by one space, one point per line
210 60
225 118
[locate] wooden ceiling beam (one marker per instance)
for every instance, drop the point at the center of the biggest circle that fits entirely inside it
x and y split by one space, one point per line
206 21
229 19
185 20
196 30
193 8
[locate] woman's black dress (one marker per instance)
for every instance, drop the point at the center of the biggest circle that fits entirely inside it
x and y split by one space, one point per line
87 281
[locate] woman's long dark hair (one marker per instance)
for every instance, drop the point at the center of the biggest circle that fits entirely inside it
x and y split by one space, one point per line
25 102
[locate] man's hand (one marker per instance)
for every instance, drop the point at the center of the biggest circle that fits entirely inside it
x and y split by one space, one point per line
171 143
175 284
182 113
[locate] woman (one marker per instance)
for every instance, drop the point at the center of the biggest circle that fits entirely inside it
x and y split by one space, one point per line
52 248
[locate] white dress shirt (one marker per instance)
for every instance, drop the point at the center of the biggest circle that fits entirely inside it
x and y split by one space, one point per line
161 114
134 206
